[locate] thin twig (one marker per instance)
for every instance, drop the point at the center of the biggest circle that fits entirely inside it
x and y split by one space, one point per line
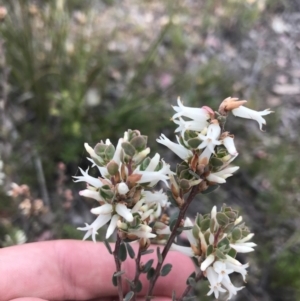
137 271
193 193
118 267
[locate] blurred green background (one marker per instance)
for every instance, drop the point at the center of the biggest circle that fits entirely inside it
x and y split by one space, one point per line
81 71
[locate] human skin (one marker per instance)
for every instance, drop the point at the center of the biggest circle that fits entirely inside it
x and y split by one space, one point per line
76 270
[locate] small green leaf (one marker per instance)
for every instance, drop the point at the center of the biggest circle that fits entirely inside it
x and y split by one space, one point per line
109 152
159 257
173 220
191 282
236 234
194 174
194 142
138 286
220 255
114 280
130 250
100 149
107 245
210 189
128 149
139 143
166 269
171 198
224 242
209 250
184 184
204 224
128 296
147 266
147 252
118 274
122 255
145 163
229 227
232 253
112 168
193 275
231 215
215 162
222 219
150 273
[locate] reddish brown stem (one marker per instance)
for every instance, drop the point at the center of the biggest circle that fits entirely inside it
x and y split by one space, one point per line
118 267
174 233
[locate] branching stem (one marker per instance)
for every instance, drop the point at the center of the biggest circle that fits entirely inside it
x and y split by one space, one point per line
182 212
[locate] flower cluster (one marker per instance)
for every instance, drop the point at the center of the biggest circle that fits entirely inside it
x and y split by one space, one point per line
129 203
215 239
126 174
204 146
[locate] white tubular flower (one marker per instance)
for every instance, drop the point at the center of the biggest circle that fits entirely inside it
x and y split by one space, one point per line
220 176
229 144
211 138
93 194
88 179
232 260
104 209
112 226
245 247
222 270
215 286
238 268
92 229
158 197
203 242
92 153
138 157
182 152
161 228
122 188
192 125
242 246
207 262
123 211
232 290
105 213
189 233
151 176
184 250
244 112
144 231
238 220
117 154
199 114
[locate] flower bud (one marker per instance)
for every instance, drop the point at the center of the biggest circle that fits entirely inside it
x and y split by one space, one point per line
122 188
144 244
